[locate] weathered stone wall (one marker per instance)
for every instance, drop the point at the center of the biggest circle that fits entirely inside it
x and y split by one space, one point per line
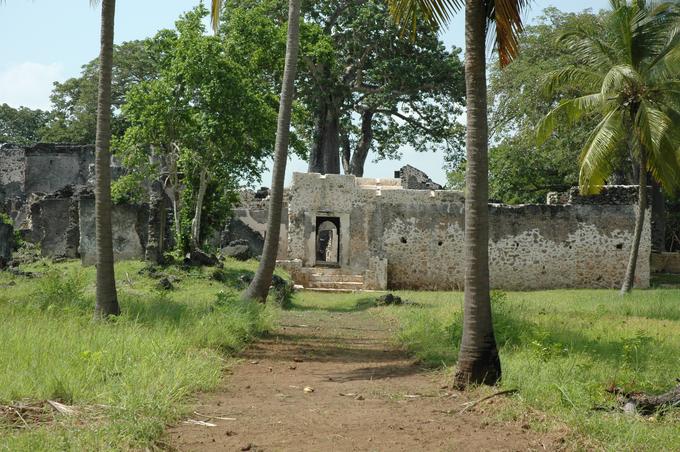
414 179
51 167
6 243
249 222
130 229
43 168
420 235
609 195
12 163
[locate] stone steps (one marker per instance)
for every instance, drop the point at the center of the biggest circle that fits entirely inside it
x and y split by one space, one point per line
331 279
335 277
343 285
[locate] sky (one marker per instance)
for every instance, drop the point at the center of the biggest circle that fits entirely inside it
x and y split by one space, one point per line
43 41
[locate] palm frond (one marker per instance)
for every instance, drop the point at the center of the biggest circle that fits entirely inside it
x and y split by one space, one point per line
591 49
600 151
507 18
570 110
438 13
661 141
620 78
570 77
651 125
505 15
215 10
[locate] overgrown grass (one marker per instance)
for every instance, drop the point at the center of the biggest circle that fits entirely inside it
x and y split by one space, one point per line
562 349
132 375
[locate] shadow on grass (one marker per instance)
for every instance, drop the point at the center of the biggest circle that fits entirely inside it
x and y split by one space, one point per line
436 341
161 309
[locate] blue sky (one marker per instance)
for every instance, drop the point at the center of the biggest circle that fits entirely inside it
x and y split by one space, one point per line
42 41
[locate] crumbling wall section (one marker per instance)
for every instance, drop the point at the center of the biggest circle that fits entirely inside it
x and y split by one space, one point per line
51 167
130 230
420 235
249 223
12 163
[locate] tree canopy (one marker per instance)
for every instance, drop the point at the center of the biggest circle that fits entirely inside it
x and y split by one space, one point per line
363 85
21 125
201 122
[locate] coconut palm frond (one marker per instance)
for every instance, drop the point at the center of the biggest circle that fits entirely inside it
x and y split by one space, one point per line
215 10
620 78
570 110
570 77
591 49
438 13
664 160
506 15
600 151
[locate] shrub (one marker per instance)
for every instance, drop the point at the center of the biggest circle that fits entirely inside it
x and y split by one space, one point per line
61 290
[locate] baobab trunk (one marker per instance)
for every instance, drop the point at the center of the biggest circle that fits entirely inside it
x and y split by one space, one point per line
324 158
106 297
359 158
259 287
629 279
478 361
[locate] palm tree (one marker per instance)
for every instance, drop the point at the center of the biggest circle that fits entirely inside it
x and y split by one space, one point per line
259 286
107 298
478 361
631 69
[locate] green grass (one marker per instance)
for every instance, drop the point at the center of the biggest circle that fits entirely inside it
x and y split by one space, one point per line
131 376
562 349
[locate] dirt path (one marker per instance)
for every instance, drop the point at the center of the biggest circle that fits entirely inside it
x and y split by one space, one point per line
367 395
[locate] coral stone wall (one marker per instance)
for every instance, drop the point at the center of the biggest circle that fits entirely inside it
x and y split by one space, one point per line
420 234
12 163
51 167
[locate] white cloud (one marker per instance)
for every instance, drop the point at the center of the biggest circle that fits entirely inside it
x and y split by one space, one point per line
29 84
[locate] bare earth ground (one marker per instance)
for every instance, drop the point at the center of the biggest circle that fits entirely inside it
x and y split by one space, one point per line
367 395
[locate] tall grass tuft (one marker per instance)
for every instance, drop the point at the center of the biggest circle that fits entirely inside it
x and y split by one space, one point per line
134 373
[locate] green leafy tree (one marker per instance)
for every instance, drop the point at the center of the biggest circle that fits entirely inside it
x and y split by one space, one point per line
478 361
357 90
73 117
21 125
520 171
631 68
201 124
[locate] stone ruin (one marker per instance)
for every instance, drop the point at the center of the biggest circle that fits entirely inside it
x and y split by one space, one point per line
413 179
390 237
46 190
339 232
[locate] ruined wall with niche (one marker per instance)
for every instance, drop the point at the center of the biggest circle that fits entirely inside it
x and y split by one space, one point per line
419 233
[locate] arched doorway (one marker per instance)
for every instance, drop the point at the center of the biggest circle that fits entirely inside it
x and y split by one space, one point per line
328 241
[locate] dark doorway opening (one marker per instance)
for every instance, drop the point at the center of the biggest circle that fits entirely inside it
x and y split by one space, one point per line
328 241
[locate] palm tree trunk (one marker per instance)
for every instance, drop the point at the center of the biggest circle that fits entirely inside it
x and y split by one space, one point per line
478 361
629 279
196 222
259 287
107 299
